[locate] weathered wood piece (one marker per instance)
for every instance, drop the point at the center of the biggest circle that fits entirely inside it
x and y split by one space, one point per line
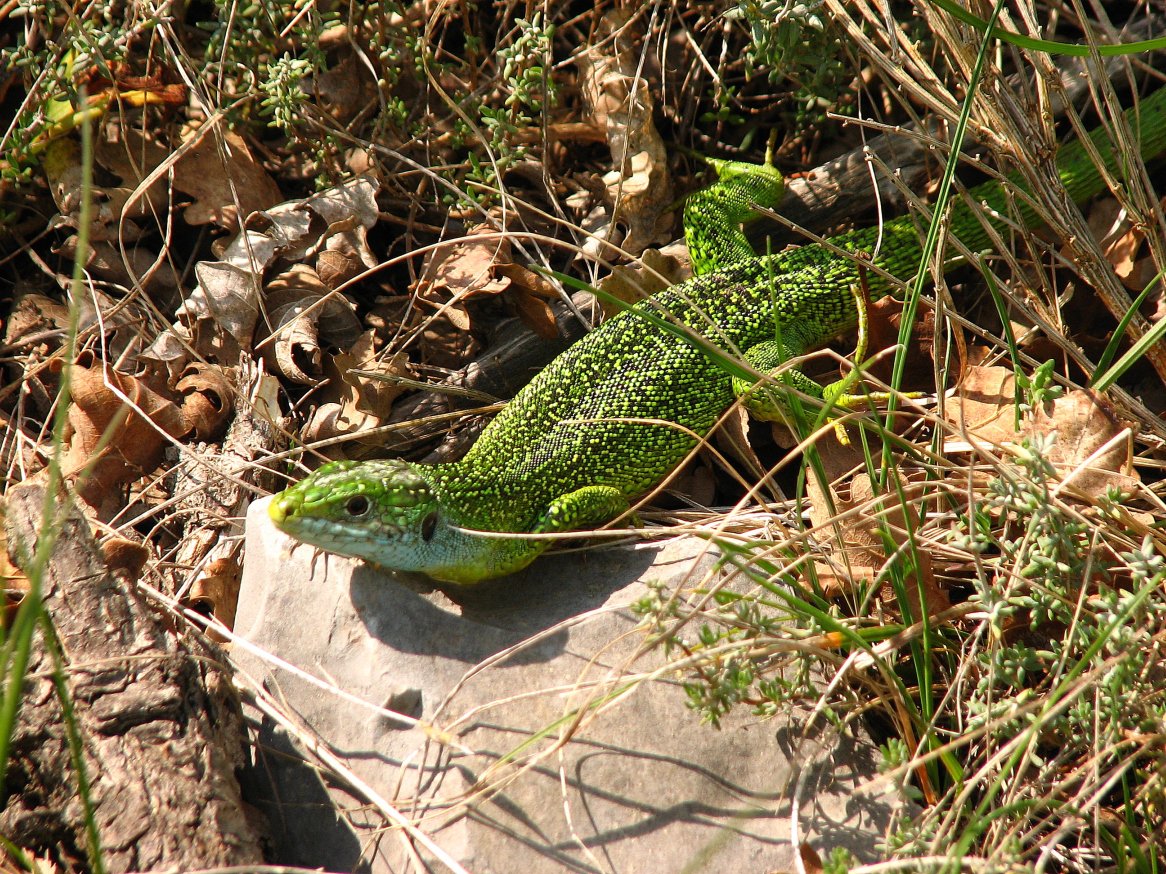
161 733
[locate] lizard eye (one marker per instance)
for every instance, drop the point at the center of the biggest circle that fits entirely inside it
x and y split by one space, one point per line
356 506
428 526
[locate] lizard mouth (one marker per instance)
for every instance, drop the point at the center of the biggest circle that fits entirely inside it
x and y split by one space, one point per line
278 509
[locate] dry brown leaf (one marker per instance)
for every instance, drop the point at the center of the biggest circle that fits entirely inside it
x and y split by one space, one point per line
528 295
883 319
208 399
984 407
216 592
620 102
117 81
1122 241
125 163
1085 424
32 317
811 862
447 340
465 267
696 481
732 439
127 267
535 313
857 539
294 302
372 378
131 159
223 177
866 540
352 403
346 87
218 318
985 410
112 443
656 270
332 420
338 266
454 272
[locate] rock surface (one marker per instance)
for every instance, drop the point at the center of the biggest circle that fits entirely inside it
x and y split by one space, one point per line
509 669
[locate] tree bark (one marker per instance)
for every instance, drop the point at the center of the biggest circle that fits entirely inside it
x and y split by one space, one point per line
160 732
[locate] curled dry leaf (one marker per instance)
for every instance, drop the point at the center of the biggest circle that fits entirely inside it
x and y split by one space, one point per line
117 204
216 592
132 159
454 272
594 220
883 319
811 861
33 318
373 380
207 399
1124 244
112 441
621 103
466 267
306 316
530 295
218 318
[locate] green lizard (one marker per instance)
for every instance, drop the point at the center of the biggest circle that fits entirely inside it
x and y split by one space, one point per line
614 414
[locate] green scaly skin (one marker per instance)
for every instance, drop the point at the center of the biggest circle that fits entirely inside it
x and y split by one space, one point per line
613 415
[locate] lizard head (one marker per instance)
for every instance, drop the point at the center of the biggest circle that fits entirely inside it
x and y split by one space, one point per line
743 185
382 511
390 514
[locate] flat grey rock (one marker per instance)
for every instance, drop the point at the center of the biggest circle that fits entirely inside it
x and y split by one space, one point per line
638 785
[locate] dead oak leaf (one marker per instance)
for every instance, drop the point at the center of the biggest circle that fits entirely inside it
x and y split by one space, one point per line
984 407
306 317
208 399
656 270
454 272
372 380
620 102
219 316
216 593
118 430
845 511
1122 244
358 392
224 178
466 267
1093 451
1089 449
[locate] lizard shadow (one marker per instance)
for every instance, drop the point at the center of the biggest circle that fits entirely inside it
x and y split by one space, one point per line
412 614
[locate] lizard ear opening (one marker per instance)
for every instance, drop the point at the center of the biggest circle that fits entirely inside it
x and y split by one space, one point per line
428 526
